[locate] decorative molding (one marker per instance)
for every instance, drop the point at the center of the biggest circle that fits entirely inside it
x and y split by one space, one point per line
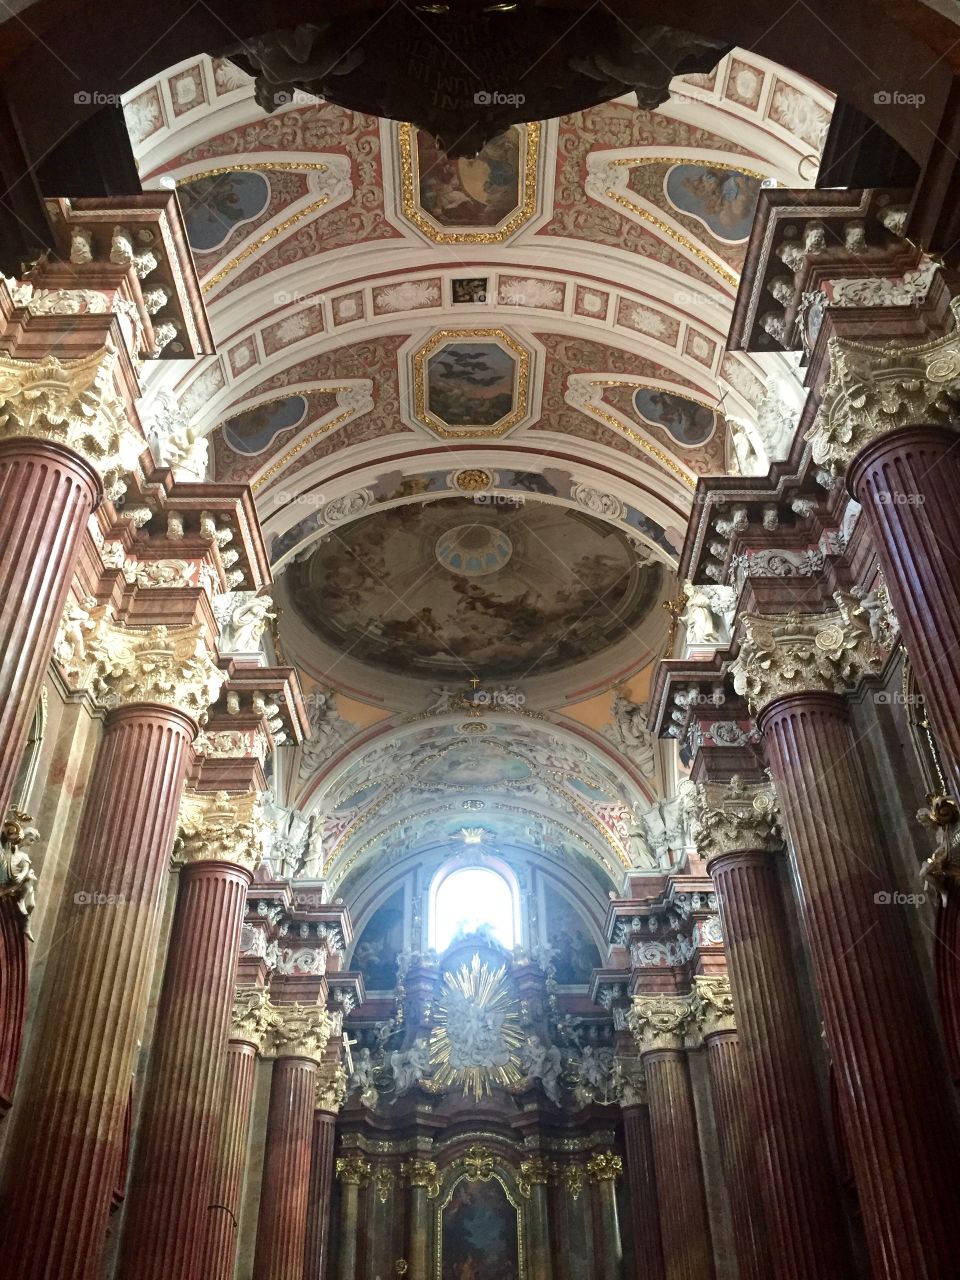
875 390
800 653
659 1022
711 1005
222 827
72 403
733 816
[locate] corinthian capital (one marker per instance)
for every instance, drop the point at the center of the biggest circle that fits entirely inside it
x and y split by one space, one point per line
223 827
604 1167
711 1005
659 1022
331 1086
73 403
804 653
170 665
300 1031
873 390
252 1016
353 1170
728 817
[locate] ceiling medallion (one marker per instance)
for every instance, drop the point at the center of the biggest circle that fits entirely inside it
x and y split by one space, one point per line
473 726
473 480
477 1037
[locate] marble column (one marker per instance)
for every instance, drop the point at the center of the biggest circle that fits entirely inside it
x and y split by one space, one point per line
298 1039
169 1194
421 1177
712 1007
603 1170
536 1174
642 1184
251 1020
330 1092
736 831
658 1024
894 1088
17 883
67 1131
353 1172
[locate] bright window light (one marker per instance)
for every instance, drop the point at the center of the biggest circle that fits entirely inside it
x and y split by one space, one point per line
469 899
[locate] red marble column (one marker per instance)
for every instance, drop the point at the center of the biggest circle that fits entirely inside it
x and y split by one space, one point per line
47 493
282 1226
169 1195
321 1191
895 1095
67 1135
13 997
227 1182
642 1188
684 1224
797 1181
735 1134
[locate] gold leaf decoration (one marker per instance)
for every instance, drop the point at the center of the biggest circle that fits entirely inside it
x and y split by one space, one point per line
477 1038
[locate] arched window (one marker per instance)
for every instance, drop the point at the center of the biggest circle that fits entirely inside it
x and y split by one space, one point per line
471 899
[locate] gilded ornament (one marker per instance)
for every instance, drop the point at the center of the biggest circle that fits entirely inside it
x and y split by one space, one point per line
874 390
73 403
538 1171
478 1163
300 1031
473 480
729 817
422 1173
476 1040
353 1170
222 827
800 653
384 1180
571 1178
604 1167
659 1022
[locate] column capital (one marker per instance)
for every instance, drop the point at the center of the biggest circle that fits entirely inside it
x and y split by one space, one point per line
331 1086
658 1022
300 1031
421 1173
726 817
711 1004
252 1016
538 1171
353 1170
874 390
221 826
75 404
604 1167
804 653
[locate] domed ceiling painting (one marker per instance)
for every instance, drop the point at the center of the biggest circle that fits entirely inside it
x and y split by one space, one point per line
450 588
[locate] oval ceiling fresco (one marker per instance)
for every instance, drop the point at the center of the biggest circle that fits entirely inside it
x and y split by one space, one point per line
215 205
688 422
723 200
385 590
253 430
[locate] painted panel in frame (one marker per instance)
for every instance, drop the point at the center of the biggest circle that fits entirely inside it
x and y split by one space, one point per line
480 1233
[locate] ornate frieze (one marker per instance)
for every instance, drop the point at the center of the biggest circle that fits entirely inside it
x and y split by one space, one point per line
728 817
604 1167
300 1031
353 1170
801 653
874 390
252 1016
659 1022
73 403
222 827
711 1005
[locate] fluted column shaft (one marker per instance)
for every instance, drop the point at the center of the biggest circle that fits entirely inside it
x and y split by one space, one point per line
608 1260
169 1194
68 1129
227 1181
47 493
321 1191
282 1226
642 1186
13 997
893 1086
418 1237
348 1227
735 1132
797 1181
684 1224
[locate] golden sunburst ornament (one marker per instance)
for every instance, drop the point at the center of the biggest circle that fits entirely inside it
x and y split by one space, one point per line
476 1037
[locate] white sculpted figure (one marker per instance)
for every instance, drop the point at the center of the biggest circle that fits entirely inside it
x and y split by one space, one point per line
362 1078
246 623
543 1062
630 720
328 730
410 1065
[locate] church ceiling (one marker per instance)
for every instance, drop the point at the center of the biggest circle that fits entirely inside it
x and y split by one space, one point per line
472 394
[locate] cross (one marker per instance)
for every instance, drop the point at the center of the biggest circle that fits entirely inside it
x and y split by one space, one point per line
475 681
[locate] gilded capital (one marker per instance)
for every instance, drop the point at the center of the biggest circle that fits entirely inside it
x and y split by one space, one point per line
252 1016
804 653
874 390
728 817
422 1173
73 403
711 1005
538 1171
353 1170
331 1086
659 1022
300 1031
604 1167
222 827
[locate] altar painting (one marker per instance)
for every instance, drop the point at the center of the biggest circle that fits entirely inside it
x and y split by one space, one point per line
480 1233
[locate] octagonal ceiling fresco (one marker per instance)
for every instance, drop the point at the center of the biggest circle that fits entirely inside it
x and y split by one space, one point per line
471 382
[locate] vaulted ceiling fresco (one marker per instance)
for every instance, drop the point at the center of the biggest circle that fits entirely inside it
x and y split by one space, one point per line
473 393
